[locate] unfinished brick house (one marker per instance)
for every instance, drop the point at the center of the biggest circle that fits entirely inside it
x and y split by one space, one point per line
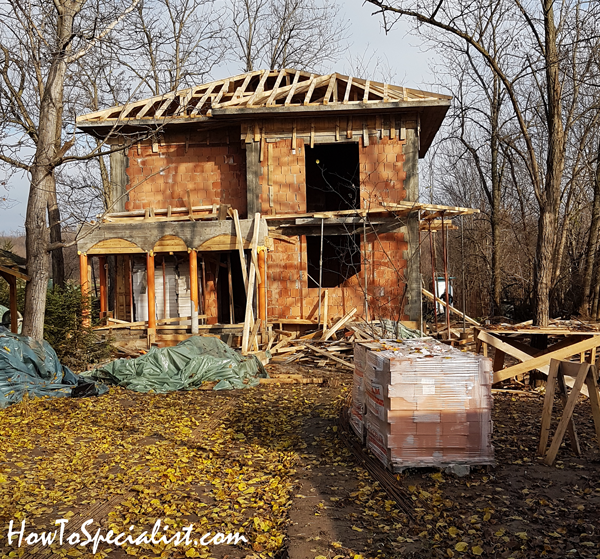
329 162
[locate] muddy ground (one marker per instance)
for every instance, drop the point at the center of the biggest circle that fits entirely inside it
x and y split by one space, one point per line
269 463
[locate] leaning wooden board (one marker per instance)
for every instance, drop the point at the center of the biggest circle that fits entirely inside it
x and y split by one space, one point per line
540 363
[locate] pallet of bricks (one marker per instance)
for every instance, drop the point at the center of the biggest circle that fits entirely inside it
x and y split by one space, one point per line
420 403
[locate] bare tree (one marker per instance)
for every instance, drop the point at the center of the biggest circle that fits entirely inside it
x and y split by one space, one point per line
543 108
38 45
172 44
275 34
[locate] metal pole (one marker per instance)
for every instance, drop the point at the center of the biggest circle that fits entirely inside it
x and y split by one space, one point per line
432 246
464 286
320 271
445 249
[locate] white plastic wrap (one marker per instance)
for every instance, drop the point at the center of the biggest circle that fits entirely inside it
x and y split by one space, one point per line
427 404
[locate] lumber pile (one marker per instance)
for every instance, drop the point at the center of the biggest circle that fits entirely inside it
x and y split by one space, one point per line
422 403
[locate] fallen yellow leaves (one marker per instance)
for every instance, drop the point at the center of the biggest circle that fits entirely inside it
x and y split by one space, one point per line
151 453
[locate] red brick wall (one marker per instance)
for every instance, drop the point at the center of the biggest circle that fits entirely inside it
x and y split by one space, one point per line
382 177
217 174
381 172
286 171
213 174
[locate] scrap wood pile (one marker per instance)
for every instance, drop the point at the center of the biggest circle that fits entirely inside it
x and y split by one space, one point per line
333 346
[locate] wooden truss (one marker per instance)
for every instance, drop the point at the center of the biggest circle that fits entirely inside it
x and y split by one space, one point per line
263 88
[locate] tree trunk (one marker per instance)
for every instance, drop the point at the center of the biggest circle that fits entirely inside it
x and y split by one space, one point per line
496 199
592 245
550 197
43 182
58 259
36 241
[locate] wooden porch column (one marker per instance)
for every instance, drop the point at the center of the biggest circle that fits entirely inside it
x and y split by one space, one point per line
151 297
85 285
14 313
194 289
103 286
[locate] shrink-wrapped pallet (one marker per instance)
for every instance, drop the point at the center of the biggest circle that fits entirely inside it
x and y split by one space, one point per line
357 410
424 403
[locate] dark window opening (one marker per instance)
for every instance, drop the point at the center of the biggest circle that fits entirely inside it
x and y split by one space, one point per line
238 290
332 177
341 259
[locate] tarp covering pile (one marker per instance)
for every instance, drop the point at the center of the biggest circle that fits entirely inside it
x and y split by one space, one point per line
183 367
31 367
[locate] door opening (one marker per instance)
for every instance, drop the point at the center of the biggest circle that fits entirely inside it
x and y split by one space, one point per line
332 177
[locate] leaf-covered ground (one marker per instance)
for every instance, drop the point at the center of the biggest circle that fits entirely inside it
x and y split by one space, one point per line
268 463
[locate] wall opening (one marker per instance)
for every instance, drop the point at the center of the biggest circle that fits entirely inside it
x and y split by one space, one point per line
332 177
341 259
237 292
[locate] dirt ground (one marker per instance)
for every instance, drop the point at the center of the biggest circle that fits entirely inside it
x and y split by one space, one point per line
269 463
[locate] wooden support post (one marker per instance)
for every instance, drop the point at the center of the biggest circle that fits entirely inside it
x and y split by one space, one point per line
151 298
194 289
262 293
85 285
567 414
129 268
547 409
14 313
325 309
231 300
498 360
103 287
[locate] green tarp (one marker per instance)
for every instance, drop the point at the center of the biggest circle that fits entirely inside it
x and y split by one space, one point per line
30 367
183 367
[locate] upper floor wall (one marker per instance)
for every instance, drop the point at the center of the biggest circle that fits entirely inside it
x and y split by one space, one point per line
276 166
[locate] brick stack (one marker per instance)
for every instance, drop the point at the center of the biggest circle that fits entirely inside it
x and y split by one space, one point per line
427 404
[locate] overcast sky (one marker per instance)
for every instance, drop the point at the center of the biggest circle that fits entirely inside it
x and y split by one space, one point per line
402 59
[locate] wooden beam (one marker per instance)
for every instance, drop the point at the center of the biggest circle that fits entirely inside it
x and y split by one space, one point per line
330 89
540 363
430 296
338 324
15 273
567 413
293 87
250 290
313 83
240 245
275 89
329 356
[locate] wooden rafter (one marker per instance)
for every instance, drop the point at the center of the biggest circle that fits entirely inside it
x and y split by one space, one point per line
297 89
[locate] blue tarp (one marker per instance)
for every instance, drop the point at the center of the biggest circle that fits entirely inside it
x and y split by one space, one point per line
31 367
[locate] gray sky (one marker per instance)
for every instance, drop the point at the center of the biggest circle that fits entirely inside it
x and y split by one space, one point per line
408 65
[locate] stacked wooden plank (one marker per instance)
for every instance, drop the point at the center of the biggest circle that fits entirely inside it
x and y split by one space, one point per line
423 403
